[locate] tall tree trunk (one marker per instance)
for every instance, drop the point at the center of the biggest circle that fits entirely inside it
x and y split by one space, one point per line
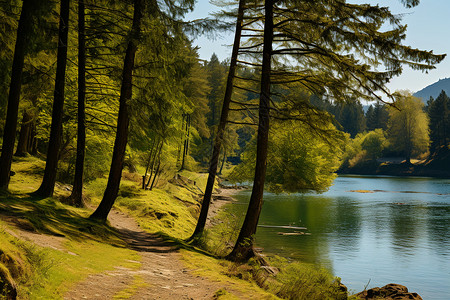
243 249
9 134
186 141
76 198
221 128
148 164
224 158
157 170
51 165
115 172
32 143
152 168
25 134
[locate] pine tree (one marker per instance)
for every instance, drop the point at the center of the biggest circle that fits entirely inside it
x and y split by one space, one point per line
312 49
221 126
120 143
48 182
76 197
9 133
439 115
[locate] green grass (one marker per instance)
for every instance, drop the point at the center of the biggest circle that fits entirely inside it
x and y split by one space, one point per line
46 273
138 282
59 271
219 270
90 247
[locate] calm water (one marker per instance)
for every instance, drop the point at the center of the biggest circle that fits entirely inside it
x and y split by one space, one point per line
400 233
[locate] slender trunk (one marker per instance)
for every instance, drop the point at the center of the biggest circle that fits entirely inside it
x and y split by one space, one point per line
243 249
157 171
148 164
115 173
9 134
181 143
223 160
157 153
188 129
25 134
32 144
76 198
221 128
51 165
186 141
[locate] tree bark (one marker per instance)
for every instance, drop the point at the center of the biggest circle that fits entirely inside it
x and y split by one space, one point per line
224 158
221 128
152 168
186 141
156 172
148 164
23 145
243 250
115 173
76 198
9 135
51 165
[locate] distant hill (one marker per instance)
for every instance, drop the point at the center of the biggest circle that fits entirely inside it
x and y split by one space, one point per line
434 90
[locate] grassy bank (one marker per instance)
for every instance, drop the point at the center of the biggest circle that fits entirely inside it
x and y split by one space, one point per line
41 268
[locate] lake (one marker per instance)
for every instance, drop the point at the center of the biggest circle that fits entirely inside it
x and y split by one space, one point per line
367 230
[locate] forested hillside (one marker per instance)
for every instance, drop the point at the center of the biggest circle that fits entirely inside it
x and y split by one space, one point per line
433 90
99 90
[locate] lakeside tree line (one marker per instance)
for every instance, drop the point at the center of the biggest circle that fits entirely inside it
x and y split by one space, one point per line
409 129
99 86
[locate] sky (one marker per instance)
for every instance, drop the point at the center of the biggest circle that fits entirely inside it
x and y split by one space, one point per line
428 29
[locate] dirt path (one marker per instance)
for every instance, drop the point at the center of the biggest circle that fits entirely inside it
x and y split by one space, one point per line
161 276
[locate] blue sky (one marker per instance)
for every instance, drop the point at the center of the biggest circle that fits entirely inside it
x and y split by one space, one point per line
428 29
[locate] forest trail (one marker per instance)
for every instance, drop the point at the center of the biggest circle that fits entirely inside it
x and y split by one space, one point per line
162 274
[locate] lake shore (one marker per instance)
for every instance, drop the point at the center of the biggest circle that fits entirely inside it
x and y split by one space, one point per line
399 169
223 196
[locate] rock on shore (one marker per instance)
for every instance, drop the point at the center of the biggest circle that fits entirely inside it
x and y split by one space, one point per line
391 291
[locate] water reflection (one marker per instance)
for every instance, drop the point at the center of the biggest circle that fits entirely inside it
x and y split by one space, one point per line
398 235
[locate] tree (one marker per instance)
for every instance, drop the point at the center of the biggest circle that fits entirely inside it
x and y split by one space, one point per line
439 115
48 182
9 133
298 158
243 249
374 143
350 116
216 74
408 126
76 197
377 117
120 143
318 42
221 127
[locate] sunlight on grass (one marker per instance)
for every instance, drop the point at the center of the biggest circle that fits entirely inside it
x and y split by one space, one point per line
225 272
138 283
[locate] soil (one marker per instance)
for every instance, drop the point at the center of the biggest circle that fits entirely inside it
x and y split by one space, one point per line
162 274
162 271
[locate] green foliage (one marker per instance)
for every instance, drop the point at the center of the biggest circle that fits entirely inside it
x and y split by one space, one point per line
299 158
408 126
303 281
439 115
365 147
374 143
377 117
